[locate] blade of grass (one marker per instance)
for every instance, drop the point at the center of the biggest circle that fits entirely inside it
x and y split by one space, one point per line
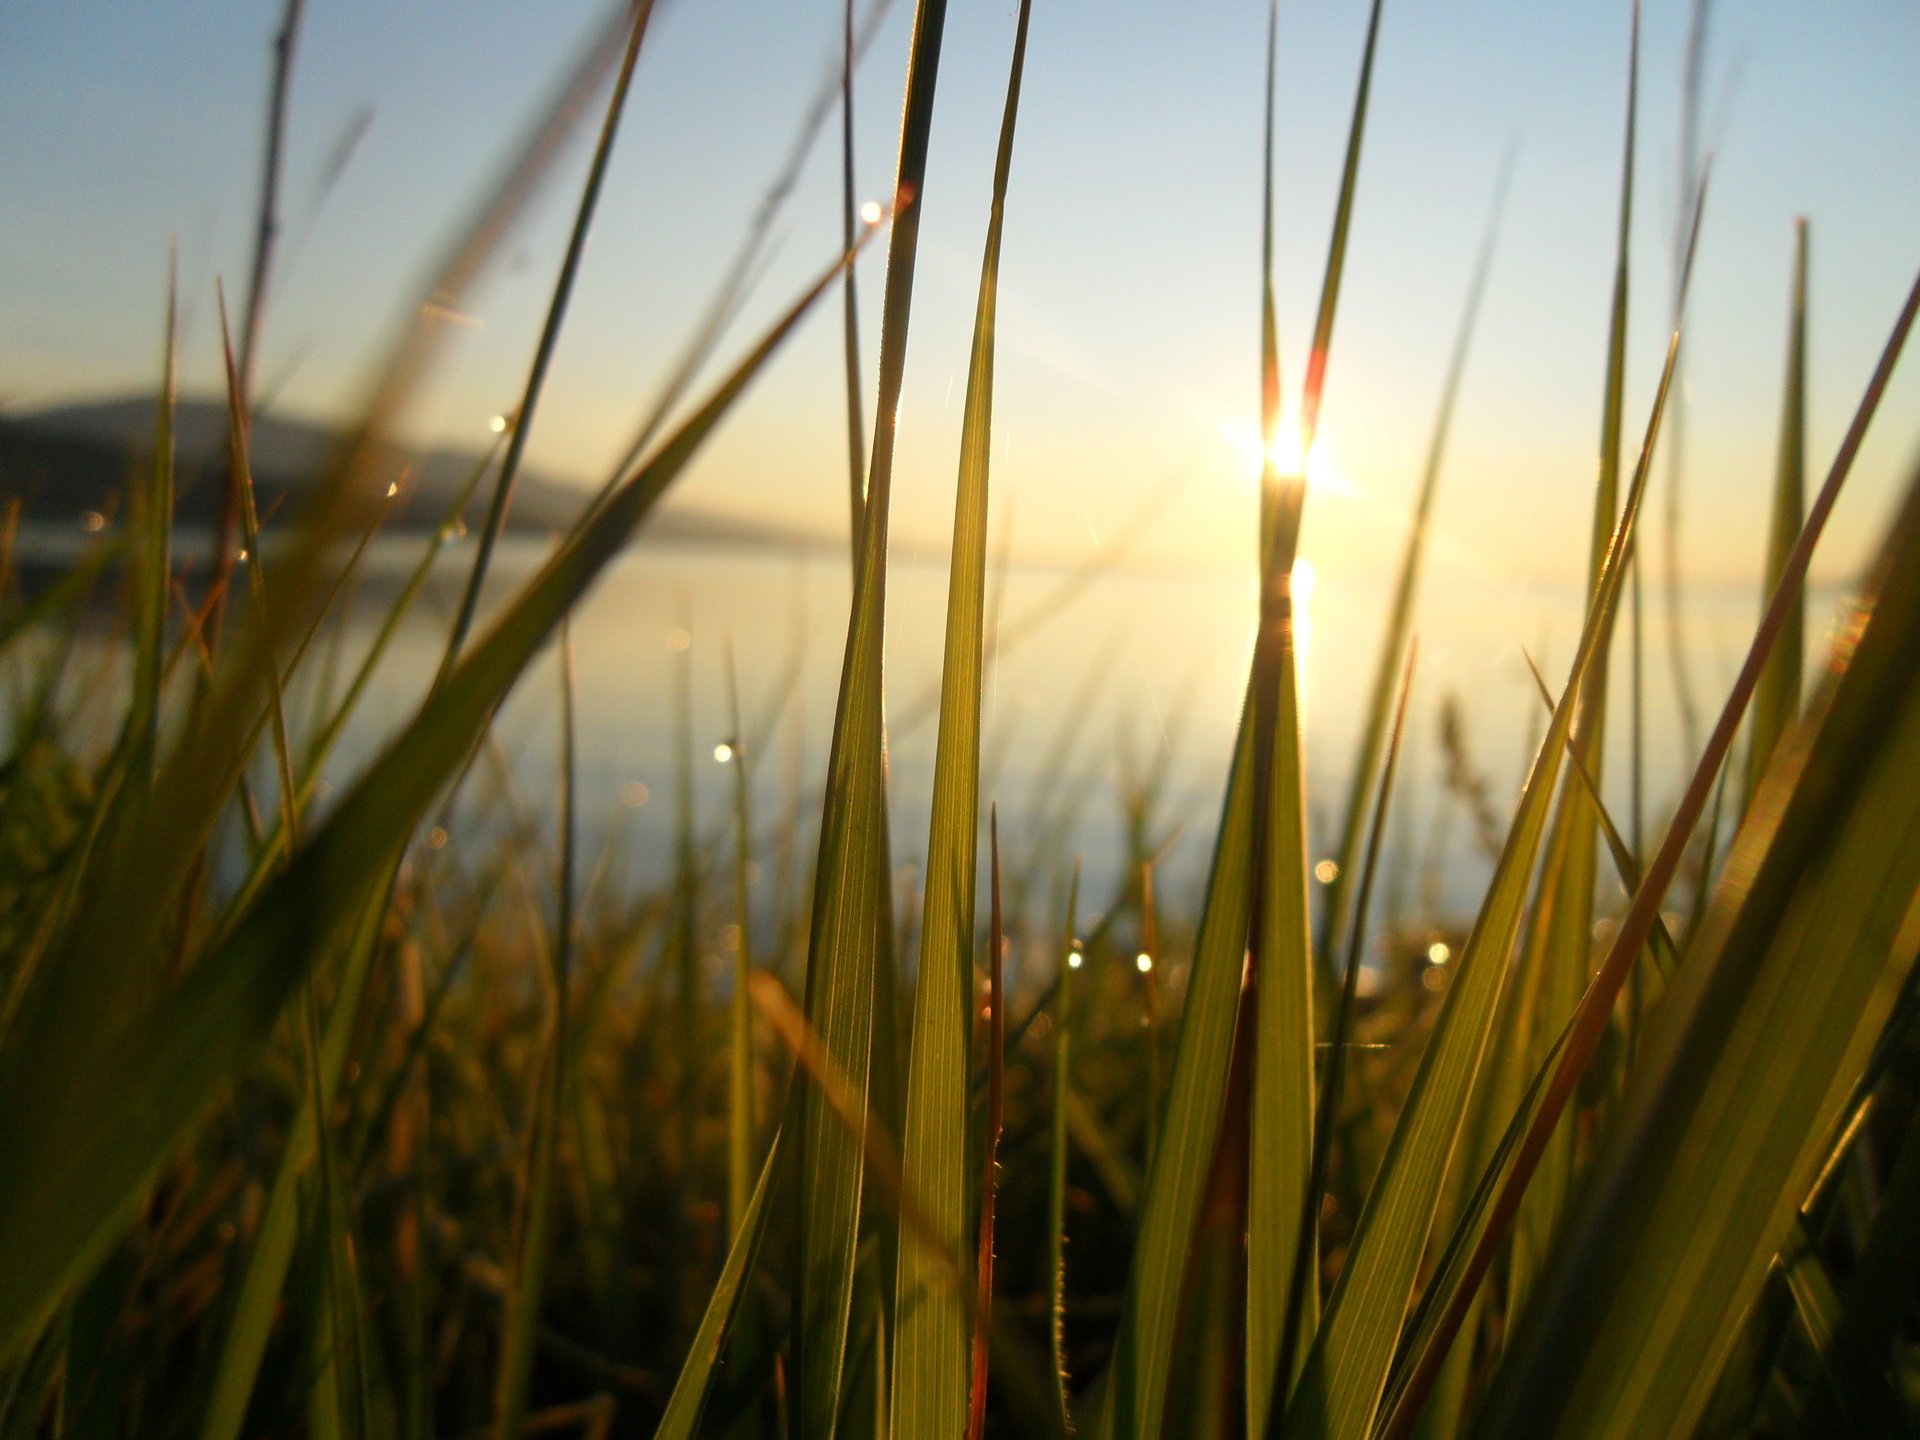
1776 703
1666 955
1717 1141
536 1215
695 1379
1136 1380
1279 1004
930 1352
1366 764
1591 1018
1305 1274
1347 1369
184 1047
1071 958
144 875
521 421
1559 943
850 942
850 310
996 1118
1692 176
739 1008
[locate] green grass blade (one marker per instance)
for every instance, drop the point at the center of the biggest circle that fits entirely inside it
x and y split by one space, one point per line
68 1078
527 1283
1136 1382
521 421
850 307
150 516
930 1384
1314 386
739 1007
1776 704
1373 736
1347 1369
1280 1143
850 941
251 1323
696 1373
1305 1275
1559 943
1070 960
990 1163
1591 1019
1718 1141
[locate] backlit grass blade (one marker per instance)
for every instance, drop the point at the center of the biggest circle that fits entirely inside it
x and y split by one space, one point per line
1776 703
68 1078
1136 1380
1070 960
1314 386
1592 1017
1327 1105
990 1164
1280 1002
1718 1141
521 421
1347 1369
150 517
1665 953
1559 942
850 308
739 1007
206 765
930 1353
527 1282
1373 737
251 1323
696 1372
850 943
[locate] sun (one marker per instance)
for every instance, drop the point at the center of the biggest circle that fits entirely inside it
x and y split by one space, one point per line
1284 450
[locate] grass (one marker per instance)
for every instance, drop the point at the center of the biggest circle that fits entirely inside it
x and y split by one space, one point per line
399 1115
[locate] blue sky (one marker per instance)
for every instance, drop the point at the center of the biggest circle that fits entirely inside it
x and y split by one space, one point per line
1129 299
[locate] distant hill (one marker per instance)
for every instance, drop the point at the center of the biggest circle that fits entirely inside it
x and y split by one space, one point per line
70 459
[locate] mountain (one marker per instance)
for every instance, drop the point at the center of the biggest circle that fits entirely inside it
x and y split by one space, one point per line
68 460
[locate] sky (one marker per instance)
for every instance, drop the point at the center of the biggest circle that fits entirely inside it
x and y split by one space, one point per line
1129 301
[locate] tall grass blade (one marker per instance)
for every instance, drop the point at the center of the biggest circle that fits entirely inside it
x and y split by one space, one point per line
1373 737
1559 942
1136 1381
850 307
850 943
739 1006
1776 703
996 1119
1590 1020
1279 1004
1070 960
521 421
1327 1104
691 1387
536 1203
67 1078
1347 1370
150 517
930 1352
1717 1142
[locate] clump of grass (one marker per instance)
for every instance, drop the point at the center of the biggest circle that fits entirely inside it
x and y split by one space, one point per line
394 1117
